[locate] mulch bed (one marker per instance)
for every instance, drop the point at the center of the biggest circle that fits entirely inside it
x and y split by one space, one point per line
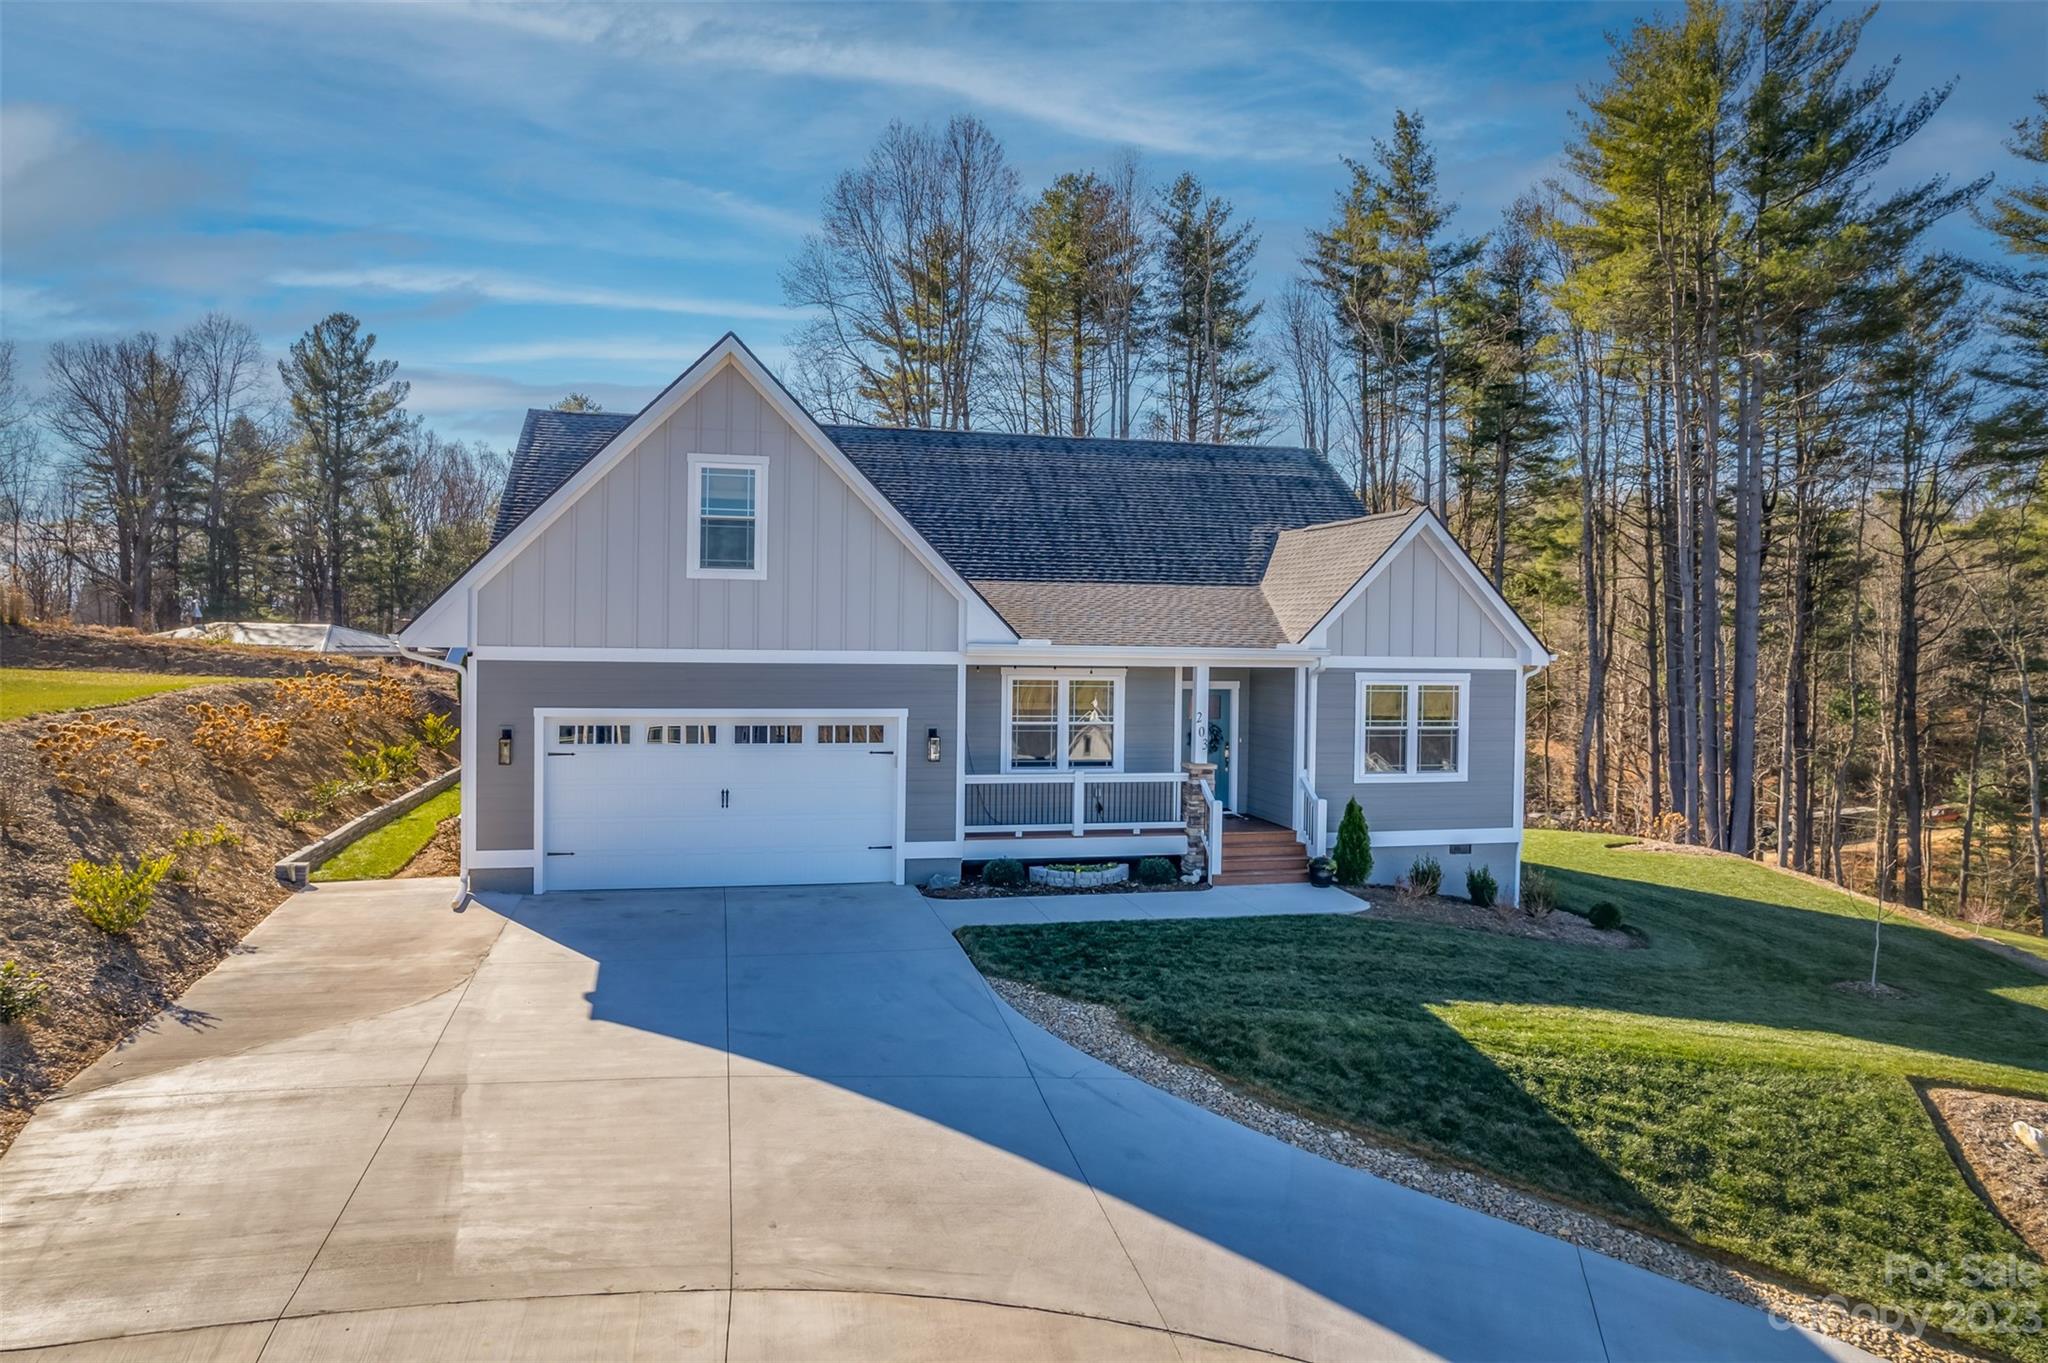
2012 1178
974 889
101 986
1556 926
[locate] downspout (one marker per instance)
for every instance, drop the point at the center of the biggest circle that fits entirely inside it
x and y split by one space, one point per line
456 662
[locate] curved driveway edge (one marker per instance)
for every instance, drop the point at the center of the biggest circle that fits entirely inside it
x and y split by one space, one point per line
732 1124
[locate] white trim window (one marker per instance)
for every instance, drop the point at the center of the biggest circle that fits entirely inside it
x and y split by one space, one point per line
1416 727
728 530
1058 721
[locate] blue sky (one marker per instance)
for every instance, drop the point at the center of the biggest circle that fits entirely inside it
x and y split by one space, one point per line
523 201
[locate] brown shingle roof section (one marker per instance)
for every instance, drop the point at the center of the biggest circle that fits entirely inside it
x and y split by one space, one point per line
1135 614
1312 568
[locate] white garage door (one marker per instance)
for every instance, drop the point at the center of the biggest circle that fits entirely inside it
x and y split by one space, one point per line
681 799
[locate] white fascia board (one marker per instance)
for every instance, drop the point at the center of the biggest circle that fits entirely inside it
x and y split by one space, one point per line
433 627
838 657
1533 653
1136 655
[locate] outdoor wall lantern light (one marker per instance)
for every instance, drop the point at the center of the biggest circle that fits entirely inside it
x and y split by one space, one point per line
504 747
931 745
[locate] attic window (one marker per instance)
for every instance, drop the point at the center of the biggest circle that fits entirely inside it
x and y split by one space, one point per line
727 530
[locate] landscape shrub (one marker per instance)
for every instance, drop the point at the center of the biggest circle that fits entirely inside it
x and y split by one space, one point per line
197 847
1003 872
1354 846
114 898
1480 887
235 736
438 731
386 764
1426 875
1606 915
349 705
21 991
86 756
1154 871
1539 893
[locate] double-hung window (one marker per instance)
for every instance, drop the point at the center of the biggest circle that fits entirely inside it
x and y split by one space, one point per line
1413 728
1054 722
728 497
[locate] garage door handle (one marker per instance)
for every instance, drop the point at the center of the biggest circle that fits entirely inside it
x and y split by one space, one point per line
881 847
561 854
561 754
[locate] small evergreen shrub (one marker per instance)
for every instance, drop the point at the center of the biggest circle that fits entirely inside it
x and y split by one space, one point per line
1539 894
1426 875
1003 872
114 898
1154 871
1481 887
1606 915
21 991
1354 846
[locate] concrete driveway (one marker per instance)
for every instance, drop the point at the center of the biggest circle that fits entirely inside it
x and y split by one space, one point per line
733 1125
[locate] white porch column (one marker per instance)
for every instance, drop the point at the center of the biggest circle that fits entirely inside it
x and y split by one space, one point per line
1198 714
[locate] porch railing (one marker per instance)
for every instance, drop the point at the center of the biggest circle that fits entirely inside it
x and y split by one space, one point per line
1074 802
1312 815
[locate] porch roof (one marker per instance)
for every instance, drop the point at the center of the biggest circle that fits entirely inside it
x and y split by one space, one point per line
1135 614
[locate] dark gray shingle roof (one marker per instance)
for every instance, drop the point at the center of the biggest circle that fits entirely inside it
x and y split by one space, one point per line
1031 507
1057 509
552 446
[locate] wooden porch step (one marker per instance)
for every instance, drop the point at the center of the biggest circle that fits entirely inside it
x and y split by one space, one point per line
1264 858
1267 865
1242 877
1252 837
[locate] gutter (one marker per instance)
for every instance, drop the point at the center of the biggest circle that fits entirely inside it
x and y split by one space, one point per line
455 661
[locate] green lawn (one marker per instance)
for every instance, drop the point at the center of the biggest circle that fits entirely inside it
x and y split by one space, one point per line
40 690
1713 1086
382 854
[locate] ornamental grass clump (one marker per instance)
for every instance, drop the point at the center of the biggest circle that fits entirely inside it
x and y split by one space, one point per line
1354 846
114 898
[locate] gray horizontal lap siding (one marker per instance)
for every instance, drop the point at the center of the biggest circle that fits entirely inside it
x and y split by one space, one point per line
1485 799
508 693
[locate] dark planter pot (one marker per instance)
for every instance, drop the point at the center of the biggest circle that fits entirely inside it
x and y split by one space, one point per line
1321 875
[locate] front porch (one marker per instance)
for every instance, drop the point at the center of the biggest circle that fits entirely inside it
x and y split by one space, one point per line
1065 758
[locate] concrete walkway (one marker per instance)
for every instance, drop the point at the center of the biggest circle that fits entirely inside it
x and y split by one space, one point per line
731 1125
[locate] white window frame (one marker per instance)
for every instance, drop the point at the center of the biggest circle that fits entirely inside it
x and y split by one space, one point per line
1118 695
697 465
1412 680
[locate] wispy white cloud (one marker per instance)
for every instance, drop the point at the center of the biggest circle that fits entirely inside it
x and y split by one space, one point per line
489 286
627 350
58 180
1084 81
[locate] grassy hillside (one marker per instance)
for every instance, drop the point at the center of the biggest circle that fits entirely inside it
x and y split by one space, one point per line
1716 1085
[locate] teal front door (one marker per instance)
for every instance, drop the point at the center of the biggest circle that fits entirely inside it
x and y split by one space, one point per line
1214 743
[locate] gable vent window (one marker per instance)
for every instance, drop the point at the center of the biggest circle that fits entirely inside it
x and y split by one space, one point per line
1414 728
570 735
726 530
